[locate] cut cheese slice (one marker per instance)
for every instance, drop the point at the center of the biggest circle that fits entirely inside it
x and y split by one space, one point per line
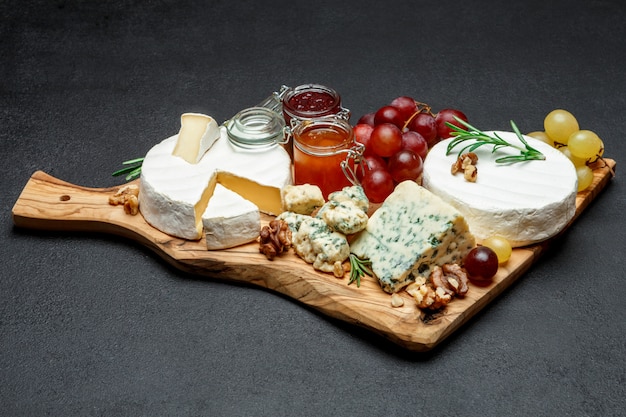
198 132
525 202
232 223
224 229
183 199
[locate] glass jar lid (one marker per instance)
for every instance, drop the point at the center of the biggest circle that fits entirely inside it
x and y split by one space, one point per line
256 128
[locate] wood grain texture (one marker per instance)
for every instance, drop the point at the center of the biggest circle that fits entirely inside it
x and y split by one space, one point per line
47 203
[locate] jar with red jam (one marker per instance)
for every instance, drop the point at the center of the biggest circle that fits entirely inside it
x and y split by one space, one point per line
309 101
325 153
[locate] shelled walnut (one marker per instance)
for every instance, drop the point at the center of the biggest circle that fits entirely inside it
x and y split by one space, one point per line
131 205
451 278
128 196
427 296
275 238
444 283
466 163
396 300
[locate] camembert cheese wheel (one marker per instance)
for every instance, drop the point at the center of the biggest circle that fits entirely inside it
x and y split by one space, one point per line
182 199
525 202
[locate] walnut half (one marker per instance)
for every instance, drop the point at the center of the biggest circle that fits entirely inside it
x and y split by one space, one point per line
451 278
444 283
128 197
466 163
427 296
274 239
131 205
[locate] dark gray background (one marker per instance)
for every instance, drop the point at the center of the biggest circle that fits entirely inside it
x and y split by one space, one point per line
97 325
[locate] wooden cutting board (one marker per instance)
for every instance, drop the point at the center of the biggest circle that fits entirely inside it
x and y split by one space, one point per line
47 203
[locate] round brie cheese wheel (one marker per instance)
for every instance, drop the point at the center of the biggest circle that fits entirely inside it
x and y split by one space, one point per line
525 202
170 187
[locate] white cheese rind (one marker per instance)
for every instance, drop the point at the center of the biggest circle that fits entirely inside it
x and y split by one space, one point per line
198 132
231 223
170 187
180 209
525 202
410 233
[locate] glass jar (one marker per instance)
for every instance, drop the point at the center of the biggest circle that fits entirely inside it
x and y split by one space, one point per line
309 101
256 129
325 153
306 101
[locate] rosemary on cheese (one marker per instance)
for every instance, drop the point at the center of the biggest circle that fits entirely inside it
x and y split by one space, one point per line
470 133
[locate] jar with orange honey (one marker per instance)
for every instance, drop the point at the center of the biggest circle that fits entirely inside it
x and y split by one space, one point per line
325 153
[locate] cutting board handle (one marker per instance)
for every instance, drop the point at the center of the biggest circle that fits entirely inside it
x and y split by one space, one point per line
48 203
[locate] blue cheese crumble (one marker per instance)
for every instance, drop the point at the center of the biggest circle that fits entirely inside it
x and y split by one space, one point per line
317 244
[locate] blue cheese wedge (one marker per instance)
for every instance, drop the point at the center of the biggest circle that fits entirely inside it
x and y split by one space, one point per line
410 233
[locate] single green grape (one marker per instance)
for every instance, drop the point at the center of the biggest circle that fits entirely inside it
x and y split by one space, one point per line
598 155
578 162
542 136
584 144
559 125
501 246
585 177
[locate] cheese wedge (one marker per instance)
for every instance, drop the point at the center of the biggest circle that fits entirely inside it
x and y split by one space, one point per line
525 202
232 223
198 132
182 199
411 232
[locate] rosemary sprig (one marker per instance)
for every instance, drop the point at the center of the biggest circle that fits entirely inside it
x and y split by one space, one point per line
358 268
133 171
461 135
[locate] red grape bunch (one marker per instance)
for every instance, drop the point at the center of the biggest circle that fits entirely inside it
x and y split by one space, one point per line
397 138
